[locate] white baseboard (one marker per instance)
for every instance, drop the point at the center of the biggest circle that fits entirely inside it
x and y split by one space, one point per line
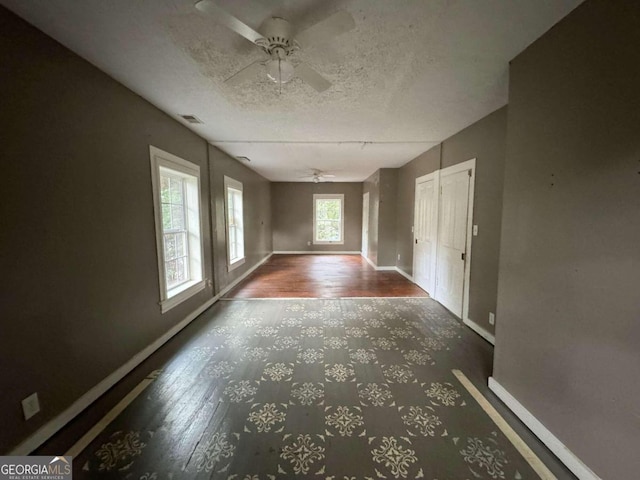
387 269
552 442
226 289
314 252
404 274
489 337
50 428
369 261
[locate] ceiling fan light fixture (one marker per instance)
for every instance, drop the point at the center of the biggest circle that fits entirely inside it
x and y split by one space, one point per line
280 71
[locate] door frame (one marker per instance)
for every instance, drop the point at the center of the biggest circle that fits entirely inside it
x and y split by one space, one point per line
437 175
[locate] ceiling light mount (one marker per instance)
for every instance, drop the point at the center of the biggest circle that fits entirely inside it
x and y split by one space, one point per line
279 36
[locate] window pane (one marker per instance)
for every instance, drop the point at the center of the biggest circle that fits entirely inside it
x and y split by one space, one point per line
164 189
171 273
234 224
181 244
232 218
176 191
333 209
177 217
181 270
232 243
230 200
166 217
328 218
321 209
240 247
333 231
328 209
169 246
328 231
177 203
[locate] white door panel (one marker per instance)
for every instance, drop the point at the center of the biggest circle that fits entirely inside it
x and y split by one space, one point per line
425 235
452 239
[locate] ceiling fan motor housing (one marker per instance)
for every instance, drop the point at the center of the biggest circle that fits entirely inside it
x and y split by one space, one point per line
279 35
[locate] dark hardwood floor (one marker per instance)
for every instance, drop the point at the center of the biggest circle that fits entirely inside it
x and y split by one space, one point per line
323 276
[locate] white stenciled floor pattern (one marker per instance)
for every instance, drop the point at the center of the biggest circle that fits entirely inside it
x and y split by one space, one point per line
325 389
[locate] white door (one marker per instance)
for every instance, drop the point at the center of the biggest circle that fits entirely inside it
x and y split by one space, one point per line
365 225
425 235
452 240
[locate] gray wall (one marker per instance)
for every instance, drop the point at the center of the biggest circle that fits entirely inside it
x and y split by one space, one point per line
79 269
382 187
292 215
484 141
256 196
568 325
387 217
426 163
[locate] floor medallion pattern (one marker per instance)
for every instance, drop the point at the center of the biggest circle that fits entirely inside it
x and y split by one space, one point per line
344 389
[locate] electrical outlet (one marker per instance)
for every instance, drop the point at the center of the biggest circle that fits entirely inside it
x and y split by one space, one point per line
475 230
308 244
398 257
30 406
492 318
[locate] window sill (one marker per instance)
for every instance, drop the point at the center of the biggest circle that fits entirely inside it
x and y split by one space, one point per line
328 243
235 264
181 293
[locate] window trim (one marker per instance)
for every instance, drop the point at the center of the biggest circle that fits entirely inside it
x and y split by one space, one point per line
171 298
230 183
331 196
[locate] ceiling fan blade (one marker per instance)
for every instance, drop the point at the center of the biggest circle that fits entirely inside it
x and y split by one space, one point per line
313 78
231 22
247 73
326 30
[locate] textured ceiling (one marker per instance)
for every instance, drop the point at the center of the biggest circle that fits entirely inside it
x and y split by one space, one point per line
408 76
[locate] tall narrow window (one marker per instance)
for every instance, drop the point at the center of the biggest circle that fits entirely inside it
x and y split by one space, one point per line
176 192
174 228
328 218
235 222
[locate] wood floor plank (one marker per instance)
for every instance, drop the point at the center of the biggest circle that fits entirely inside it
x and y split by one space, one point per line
327 388
323 276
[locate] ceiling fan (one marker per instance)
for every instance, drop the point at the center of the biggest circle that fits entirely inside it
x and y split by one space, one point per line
317 175
280 41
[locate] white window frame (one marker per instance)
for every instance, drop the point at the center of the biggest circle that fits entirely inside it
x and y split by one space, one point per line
230 183
190 173
328 196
